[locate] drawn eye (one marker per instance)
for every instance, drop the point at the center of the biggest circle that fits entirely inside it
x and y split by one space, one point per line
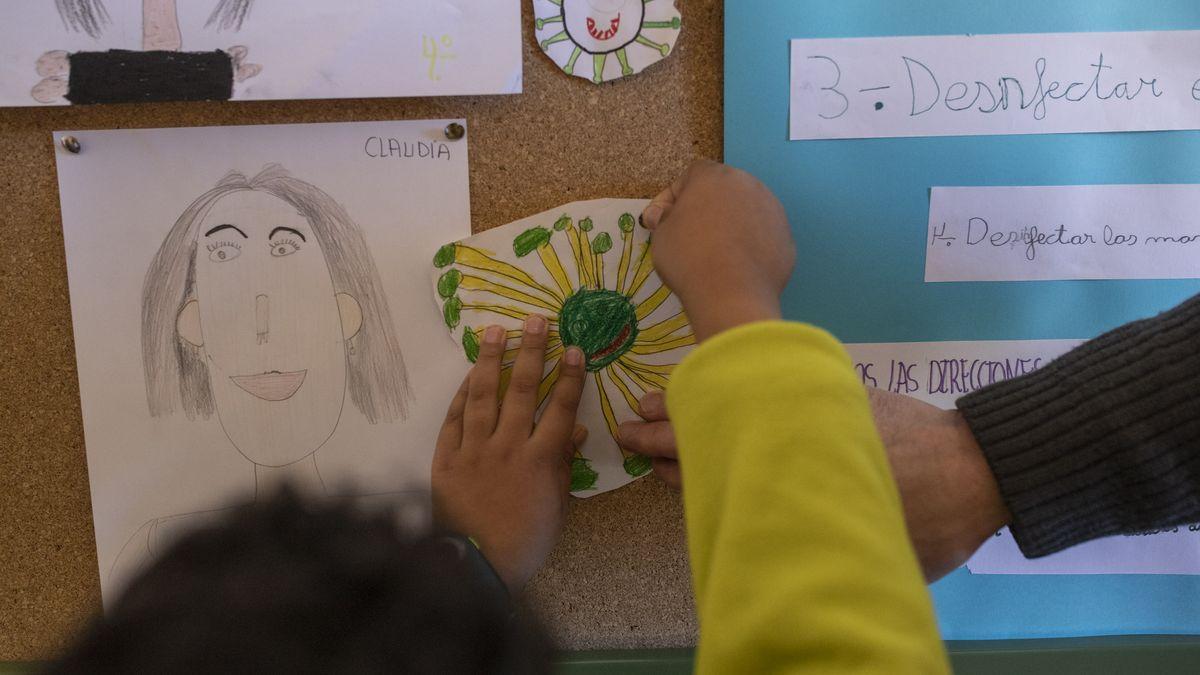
280 248
223 251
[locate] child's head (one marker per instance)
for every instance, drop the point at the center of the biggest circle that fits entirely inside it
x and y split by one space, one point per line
290 586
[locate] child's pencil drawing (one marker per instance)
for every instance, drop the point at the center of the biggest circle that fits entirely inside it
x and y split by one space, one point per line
55 52
586 267
161 71
240 329
263 307
568 29
87 16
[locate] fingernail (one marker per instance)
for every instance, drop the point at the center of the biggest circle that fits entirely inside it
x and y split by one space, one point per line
652 404
494 335
651 215
535 324
574 357
621 430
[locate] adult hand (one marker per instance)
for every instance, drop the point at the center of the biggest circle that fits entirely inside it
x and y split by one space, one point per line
496 477
952 504
653 438
723 245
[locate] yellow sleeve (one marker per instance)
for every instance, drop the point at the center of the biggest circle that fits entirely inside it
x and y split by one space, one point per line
800 557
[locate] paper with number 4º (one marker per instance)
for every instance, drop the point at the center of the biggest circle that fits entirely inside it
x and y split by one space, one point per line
586 267
1063 232
967 85
106 51
941 372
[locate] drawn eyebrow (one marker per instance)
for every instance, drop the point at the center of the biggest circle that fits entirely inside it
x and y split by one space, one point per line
294 231
226 226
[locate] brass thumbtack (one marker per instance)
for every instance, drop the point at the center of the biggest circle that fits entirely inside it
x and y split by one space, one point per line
71 144
454 131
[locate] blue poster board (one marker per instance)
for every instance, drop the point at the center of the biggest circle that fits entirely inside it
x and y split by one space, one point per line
859 210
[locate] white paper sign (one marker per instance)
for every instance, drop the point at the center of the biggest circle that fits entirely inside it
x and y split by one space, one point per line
1067 232
941 372
965 85
56 52
250 306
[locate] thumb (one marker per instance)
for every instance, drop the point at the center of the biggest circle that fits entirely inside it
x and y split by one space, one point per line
578 438
661 205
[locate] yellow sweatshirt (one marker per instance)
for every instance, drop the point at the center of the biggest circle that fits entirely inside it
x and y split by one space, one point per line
800 557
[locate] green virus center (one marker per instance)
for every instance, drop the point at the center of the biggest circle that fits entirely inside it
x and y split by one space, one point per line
601 322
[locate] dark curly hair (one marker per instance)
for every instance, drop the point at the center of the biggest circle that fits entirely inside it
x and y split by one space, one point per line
298 587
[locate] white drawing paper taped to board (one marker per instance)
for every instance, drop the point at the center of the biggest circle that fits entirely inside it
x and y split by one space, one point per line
968 85
250 308
603 40
1063 232
586 267
941 372
104 51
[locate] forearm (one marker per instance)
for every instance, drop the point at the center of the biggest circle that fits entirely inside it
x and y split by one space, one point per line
1101 441
798 546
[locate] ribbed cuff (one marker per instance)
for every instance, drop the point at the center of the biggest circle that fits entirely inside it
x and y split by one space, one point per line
1103 440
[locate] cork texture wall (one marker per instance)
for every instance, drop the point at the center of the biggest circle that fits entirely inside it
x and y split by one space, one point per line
620 576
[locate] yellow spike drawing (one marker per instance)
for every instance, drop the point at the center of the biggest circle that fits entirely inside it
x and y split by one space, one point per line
587 307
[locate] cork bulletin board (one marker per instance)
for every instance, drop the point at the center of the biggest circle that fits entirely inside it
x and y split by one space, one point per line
619 578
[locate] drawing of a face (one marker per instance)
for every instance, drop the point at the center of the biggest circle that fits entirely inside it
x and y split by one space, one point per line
601 26
568 29
271 327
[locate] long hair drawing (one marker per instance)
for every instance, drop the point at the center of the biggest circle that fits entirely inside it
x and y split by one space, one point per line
175 371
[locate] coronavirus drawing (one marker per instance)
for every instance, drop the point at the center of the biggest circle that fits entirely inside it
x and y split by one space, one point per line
637 33
600 295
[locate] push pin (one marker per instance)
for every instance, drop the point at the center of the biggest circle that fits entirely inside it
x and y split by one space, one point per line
454 131
70 144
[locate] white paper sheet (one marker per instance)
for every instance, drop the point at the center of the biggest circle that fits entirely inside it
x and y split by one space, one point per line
939 373
961 85
294 50
1066 232
603 40
585 266
290 323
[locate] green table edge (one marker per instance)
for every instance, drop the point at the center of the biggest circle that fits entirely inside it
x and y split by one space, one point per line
1160 654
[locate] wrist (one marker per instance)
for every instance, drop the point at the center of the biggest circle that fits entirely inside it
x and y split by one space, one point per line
497 560
479 567
716 314
986 507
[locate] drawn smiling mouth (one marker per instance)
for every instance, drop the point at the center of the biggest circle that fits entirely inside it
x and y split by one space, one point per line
272 385
603 34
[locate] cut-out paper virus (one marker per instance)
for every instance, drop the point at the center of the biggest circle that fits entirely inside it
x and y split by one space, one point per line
581 35
587 268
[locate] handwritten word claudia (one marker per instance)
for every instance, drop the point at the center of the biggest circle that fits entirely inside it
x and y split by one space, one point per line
942 376
1030 239
377 146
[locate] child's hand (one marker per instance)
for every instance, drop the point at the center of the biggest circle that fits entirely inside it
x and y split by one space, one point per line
497 478
654 438
722 243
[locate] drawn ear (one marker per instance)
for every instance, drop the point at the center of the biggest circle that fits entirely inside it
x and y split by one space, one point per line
187 324
351 313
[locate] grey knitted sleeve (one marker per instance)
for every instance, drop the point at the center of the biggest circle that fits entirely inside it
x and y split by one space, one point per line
1103 440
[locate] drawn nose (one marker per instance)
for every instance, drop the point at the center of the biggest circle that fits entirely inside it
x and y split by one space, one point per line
262 318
